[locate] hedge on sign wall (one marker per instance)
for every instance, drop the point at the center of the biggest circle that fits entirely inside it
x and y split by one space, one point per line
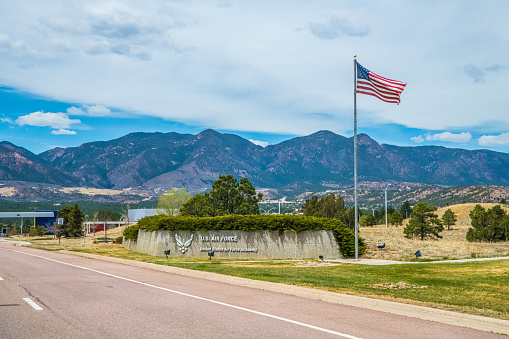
281 223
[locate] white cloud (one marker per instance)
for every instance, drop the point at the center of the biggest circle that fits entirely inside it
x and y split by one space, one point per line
259 143
417 139
75 111
494 140
93 111
97 111
7 120
451 137
224 68
41 119
63 131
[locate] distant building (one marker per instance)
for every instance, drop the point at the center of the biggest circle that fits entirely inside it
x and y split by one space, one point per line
137 214
41 218
47 222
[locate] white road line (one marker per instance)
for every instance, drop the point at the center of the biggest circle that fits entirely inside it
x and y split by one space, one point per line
194 297
33 304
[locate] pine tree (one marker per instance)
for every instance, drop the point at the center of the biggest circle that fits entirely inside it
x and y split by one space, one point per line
449 218
73 219
423 222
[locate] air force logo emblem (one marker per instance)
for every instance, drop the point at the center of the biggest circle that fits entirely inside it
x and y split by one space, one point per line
184 246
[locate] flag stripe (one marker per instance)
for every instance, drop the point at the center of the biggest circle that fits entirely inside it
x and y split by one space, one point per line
381 90
395 82
385 89
396 101
388 85
381 98
372 91
365 87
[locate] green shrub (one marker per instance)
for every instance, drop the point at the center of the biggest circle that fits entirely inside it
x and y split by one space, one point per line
118 240
280 223
38 231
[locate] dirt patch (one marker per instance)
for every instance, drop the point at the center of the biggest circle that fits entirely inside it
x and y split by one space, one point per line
399 286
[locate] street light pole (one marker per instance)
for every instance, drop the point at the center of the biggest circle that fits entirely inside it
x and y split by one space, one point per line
282 199
386 225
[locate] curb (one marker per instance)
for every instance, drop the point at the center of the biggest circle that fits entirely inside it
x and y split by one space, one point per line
414 311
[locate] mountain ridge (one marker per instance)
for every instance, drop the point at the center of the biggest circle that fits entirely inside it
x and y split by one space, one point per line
159 161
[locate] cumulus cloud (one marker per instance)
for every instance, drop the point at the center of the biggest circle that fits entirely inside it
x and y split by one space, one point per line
259 143
494 140
475 73
337 27
93 111
451 137
63 131
41 119
418 139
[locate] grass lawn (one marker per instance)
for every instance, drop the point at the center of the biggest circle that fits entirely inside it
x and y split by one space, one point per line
480 288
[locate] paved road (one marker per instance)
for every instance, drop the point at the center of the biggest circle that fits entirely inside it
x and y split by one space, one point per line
84 298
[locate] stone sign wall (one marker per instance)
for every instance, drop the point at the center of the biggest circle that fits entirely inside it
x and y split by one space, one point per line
237 244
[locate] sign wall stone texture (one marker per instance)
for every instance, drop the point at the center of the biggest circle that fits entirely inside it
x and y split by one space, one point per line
237 244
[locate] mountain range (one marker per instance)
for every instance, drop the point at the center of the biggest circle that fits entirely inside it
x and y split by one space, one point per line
323 159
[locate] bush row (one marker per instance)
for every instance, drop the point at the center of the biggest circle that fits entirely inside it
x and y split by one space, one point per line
280 223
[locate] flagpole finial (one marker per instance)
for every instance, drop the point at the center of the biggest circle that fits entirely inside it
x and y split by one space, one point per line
355 55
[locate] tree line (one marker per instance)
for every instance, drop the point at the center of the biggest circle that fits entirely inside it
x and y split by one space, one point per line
230 196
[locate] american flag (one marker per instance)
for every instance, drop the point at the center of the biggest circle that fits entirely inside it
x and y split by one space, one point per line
372 84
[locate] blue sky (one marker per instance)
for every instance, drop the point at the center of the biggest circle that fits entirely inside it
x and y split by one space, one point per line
74 71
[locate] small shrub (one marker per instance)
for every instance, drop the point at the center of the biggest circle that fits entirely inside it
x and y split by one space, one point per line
38 231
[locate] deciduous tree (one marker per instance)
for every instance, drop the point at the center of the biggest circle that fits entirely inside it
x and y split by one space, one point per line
227 196
172 201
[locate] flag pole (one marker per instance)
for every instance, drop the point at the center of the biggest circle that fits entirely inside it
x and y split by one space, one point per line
355 157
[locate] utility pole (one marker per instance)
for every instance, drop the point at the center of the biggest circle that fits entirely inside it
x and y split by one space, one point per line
386 224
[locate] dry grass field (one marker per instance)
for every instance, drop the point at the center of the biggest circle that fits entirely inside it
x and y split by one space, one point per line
51 243
453 245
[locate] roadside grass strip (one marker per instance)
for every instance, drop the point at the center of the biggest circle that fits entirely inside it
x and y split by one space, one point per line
480 288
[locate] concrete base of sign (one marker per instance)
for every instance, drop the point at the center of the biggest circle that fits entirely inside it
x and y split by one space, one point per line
237 244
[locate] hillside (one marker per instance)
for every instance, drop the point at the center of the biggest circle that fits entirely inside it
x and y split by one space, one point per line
453 245
17 163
